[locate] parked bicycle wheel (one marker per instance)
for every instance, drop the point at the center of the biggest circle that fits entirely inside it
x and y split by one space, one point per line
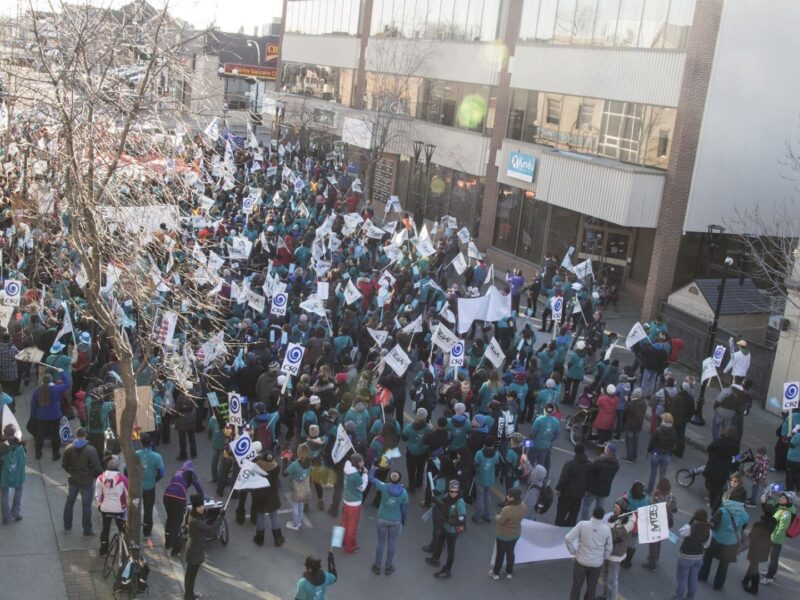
685 477
110 561
576 434
223 531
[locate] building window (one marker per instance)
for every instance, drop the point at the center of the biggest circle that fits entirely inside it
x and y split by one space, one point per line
317 81
663 142
461 105
632 23
466 20
507 219
621 130
554 111
323 17
586 115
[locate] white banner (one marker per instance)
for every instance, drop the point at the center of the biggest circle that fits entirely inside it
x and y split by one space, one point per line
653 523
473 252
351 293
457 354
494 353
235 409
250 477
293 359
279 302
459 263
398 360
539 542
242 448
425 247
444 338
341 445
567 262
709 370
257 302
464 236
635 335
583 270
492 306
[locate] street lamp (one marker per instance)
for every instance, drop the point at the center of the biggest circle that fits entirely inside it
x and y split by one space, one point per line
698 419
714 237
417 144
429 149
280 111
257 47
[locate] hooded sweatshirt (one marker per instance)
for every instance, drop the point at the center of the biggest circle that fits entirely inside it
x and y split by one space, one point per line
360 417
413 435
459 427
180 482
394 499
354 485
535 485
486 461
111 492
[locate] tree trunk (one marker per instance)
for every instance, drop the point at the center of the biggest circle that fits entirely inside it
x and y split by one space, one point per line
135 473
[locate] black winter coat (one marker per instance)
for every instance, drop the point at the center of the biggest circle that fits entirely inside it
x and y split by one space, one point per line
574 476
760 540
719 464
663 440
601 475
268 499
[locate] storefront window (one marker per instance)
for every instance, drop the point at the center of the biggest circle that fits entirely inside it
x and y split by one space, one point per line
439 184
532 231
467 20
467 190
631 23
318 81
562 231
509 209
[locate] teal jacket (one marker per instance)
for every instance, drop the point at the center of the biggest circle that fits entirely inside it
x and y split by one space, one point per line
217 437
361 419
724 532
13 456
545 396
547 362
458 509
354 485
308 591
413 434
794 449
576 366
545 432
152 467
458 434
522 393
394 499
485 467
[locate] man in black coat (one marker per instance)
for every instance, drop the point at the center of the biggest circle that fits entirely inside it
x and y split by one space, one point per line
571 488
601 476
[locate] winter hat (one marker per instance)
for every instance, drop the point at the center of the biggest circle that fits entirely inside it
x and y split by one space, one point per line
550 383
313 431
459 408
581 345
549 408
9 430
422 414
341 378
611 448
349 426
637 393
611 389
314 400
742 343
257 447
480 420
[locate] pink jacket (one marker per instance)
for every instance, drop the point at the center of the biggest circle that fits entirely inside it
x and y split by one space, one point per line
607 406
111 492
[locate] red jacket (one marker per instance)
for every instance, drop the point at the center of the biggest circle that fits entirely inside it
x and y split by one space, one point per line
607 406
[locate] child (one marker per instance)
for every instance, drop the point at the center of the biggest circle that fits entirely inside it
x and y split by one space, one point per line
758 472
299 472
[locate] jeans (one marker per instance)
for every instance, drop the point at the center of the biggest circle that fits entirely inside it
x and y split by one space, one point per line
297 513
483 502
387 538
505 550
148 500
540 457
215 465
774 556
581 573
87 495
610 579
16 507
446 539
686 575
586 504
632 445
648 381
658 468
351 515
182 443
653 552
261 521
755 493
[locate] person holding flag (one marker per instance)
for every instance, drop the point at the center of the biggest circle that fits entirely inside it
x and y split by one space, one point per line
198 529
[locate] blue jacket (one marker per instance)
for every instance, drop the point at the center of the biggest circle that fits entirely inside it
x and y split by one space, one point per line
51 412
575 366
731 511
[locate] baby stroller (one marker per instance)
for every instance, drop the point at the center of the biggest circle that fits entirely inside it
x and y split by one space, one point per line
212 510
580 424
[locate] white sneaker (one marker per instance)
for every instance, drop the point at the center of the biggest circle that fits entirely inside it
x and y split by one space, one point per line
767 580
292 526
509 576
493 576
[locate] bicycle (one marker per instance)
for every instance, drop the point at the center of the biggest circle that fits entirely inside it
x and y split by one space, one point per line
129 567
110 562
685 477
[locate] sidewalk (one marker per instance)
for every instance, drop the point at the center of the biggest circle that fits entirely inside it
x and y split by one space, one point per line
66 565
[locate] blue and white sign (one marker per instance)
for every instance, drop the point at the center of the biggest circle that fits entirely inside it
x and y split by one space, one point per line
242 448
790 395
309 163
457 354
352 168
557 304
64 431
279 301
247 204
235 409
719 354
521 166
293 359
13 292
298 185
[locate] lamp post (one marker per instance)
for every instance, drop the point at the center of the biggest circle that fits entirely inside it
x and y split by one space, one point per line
698 419
280 111
429 150
257 47
417 144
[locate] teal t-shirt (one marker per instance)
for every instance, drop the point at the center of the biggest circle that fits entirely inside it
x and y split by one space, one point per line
413 438
308 591
485 468
152 467
391 506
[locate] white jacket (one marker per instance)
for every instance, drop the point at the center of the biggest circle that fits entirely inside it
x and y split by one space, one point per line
738 364
111 492
590 541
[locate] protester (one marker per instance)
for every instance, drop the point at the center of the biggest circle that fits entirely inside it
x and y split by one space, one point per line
695 538
660 448
315 581
783 514
175 496
356 479
590 542
544 434
198 528
299 473
153 471
82 464
453 518
508 530
391 518
621 524
111 495
728 525
758 473
46 412
663 493
12 474
487 461
266 500
636 499
599 480
720 464
634 422
571 488
758 551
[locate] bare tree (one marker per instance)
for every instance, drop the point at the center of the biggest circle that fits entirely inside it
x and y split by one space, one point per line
94 125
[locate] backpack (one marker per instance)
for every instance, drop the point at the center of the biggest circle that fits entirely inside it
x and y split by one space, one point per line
676 345
794 528
545 499
263 434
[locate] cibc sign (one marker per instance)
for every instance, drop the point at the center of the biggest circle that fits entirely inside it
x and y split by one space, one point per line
521 166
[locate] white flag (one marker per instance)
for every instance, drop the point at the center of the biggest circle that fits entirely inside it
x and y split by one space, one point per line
425 247
251 477
257 302
313 305
351 293
653 523
709 370
447 314
378 335
293 359
459 263
341 445
414 327
635 335
494 353
584 269
444 338
212 130
67 326
398 360
567 262
464 236
473 252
